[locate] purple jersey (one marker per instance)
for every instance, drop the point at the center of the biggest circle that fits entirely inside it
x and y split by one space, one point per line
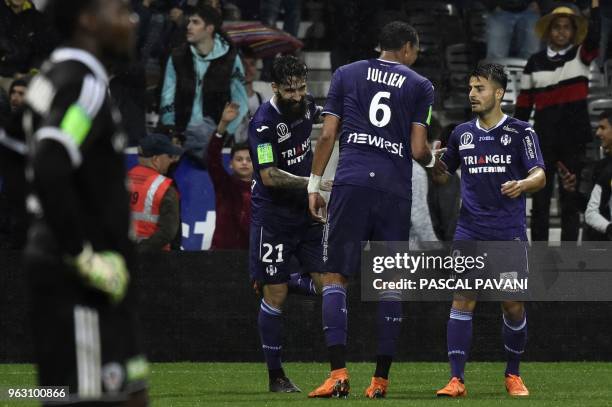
378 101
275 143
489 158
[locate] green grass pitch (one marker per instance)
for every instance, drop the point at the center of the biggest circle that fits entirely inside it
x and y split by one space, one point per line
412 384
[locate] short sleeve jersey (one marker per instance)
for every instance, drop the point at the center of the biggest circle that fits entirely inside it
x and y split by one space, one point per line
378 102
274 142
487 159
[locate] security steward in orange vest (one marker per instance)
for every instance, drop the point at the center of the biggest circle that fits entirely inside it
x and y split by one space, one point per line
154 201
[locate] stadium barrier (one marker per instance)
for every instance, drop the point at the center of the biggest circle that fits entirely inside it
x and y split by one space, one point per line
199 306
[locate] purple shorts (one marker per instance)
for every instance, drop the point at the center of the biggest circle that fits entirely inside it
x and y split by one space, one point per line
356 215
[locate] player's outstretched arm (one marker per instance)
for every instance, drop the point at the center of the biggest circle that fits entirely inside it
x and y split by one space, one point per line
273 177
535 181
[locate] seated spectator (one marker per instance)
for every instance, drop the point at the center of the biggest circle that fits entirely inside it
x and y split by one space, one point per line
594 191
155 221
512 19
24 44
232 191
201 77
255 98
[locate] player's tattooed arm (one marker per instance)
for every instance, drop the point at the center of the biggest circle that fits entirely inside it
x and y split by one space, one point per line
277 178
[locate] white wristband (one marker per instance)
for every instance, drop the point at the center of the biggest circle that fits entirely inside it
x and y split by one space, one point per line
314 183
432 162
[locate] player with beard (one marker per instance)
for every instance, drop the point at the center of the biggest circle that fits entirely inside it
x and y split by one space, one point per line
79 254
279 141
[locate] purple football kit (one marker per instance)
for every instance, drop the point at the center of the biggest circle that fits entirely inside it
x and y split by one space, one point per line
488 158
280 224
377 102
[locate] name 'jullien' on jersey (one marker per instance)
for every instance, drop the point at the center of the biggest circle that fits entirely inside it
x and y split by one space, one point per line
378 101
488 158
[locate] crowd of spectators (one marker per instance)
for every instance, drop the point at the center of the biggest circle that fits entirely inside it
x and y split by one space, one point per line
201 86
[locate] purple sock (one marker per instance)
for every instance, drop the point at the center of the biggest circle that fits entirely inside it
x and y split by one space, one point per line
270 332
301 284
515 339
389 323
459 340
334 314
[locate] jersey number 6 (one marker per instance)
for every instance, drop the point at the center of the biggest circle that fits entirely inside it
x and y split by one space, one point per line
376 106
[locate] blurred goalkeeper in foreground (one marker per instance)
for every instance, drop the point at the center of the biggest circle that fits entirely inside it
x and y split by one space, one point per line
78 251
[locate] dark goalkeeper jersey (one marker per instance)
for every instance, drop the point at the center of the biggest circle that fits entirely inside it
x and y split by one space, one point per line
76 158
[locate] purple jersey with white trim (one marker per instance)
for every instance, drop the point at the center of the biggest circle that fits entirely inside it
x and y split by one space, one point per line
489 158
273 142
378 101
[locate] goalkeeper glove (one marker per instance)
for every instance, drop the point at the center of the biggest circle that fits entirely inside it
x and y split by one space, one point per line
105 271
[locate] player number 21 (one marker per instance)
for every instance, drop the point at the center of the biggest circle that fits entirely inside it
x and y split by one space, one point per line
376 106
269 249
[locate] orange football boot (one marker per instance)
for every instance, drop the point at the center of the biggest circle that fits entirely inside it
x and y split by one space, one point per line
377 389
337 385
454 388
515 386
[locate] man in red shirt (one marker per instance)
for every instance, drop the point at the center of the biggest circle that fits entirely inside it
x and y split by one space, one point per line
232 191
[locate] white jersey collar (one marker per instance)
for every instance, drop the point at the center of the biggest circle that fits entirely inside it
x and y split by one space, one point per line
479 127
82 56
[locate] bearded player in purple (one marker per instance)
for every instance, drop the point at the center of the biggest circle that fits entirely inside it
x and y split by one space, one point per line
500 161
381 110
279 142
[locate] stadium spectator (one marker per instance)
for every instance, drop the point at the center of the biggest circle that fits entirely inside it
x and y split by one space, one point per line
201 76
371 197
605 52
154 200
512 19
79 250
268 12
421 227
24 43
13 218
555 82
492 210
255 98
232 191
594 192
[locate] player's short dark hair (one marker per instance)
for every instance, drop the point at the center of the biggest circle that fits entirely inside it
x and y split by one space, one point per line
396 34
607 115
287 66
65 14
492 72
238 147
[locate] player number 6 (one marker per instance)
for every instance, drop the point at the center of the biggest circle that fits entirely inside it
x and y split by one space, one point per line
375 106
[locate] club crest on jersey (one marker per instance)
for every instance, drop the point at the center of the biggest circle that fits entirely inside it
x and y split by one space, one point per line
505 139
282 130
271 270
466 141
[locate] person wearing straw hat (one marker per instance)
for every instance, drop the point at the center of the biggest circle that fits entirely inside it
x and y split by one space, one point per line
555 83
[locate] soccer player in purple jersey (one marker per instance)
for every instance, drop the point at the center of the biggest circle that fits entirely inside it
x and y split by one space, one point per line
381 110
500 161
279 143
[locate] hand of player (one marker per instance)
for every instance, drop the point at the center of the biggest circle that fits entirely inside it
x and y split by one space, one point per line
317 207
326 185
105 271
230 112
512 189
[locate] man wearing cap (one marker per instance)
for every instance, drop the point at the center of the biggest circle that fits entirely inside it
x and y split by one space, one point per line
154 202
555 83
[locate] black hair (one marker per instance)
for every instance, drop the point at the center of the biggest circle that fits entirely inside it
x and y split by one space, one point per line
65 14
18 82
606 114
287 66
396 34
492 72
238 147
210 15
